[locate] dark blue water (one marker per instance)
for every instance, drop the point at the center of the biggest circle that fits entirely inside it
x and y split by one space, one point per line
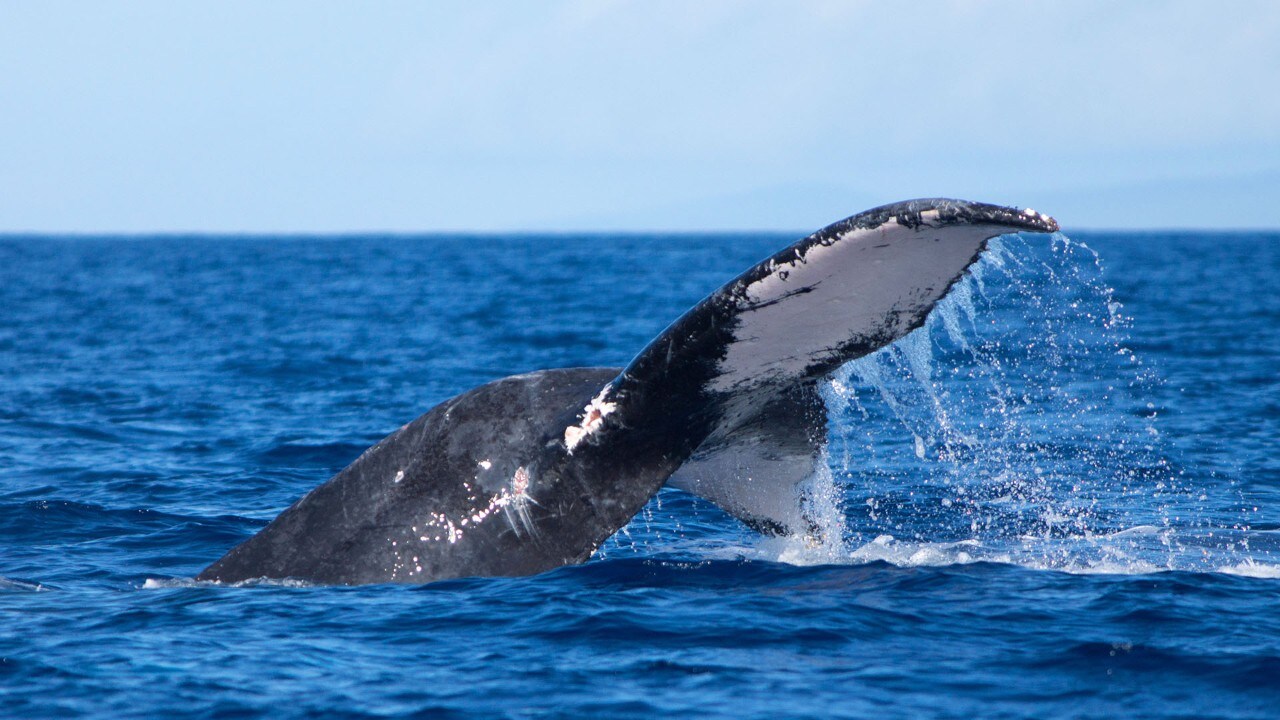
1062 499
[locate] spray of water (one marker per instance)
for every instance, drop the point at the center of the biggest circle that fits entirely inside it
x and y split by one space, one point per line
1015 427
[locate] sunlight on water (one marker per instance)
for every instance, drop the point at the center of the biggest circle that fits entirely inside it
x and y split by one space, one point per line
1015 427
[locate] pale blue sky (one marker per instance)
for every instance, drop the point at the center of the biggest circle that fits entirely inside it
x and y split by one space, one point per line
415 116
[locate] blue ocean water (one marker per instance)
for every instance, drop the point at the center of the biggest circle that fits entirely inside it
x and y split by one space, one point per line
1061 498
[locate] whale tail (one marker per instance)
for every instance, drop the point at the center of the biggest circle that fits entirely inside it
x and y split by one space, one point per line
739 371
532 472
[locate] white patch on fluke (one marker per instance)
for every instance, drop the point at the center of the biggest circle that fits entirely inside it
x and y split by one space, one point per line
870 284
750 479
485 464
593 416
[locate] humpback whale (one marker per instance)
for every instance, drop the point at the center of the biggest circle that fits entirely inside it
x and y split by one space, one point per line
535 471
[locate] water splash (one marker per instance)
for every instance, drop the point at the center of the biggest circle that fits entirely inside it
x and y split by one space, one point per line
1015 426
822 497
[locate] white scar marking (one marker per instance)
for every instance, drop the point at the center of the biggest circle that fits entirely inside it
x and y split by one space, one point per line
518 503
399 475
593 416
514 501
485 464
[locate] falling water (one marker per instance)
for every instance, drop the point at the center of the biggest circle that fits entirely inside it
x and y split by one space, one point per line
1015 426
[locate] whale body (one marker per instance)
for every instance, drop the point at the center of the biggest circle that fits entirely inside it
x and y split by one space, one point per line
532 472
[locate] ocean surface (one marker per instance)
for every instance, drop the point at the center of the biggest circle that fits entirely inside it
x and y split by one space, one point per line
1059 499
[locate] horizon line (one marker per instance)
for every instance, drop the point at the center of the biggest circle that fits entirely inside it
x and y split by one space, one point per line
334 234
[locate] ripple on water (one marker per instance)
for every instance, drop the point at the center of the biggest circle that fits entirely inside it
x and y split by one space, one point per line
1056 500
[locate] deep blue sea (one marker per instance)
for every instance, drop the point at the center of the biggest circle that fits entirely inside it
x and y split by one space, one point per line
1059 499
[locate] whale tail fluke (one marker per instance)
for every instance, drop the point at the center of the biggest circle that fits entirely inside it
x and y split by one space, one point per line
535 471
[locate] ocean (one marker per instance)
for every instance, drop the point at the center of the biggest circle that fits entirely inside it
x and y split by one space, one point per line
1058 499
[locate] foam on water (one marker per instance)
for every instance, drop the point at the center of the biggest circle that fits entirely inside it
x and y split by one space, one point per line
171 583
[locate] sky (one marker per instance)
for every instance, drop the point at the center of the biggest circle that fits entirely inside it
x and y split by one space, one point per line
138 117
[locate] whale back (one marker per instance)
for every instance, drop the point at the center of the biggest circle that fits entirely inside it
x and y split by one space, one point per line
367 523
420 500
